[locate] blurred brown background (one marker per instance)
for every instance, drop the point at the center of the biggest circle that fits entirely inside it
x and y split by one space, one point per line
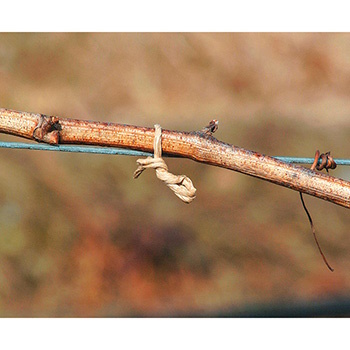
80 237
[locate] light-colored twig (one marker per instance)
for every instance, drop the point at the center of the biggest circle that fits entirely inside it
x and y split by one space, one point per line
197 146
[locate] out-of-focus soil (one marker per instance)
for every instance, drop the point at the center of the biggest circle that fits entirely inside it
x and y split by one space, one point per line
80 237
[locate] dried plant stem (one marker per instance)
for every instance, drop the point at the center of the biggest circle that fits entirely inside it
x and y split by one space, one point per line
197 146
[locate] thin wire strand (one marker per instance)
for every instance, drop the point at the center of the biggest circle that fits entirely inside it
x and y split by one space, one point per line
314 233
74 149
127 152
302 160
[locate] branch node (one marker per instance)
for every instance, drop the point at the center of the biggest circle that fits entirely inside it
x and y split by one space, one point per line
210 128
47 130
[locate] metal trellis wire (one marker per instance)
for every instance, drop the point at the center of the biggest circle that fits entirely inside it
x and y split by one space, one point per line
127 152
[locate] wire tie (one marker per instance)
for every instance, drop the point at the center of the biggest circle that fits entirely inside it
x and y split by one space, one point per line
181 185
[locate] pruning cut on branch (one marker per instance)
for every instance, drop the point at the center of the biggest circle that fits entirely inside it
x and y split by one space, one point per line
199 146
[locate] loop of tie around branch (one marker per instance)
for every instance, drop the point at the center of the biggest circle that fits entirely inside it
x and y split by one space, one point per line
181 185
327 161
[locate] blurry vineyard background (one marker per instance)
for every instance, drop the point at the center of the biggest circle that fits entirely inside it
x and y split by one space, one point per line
80 237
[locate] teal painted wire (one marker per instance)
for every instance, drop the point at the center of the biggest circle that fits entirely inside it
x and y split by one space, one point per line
74 149
301 160
127 152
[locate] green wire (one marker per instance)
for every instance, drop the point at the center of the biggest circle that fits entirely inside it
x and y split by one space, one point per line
127 152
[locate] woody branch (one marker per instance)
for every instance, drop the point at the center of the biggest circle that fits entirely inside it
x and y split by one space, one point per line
197 146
